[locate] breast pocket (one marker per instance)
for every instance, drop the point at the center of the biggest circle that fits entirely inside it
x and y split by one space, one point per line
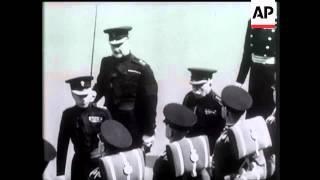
132 80
125 85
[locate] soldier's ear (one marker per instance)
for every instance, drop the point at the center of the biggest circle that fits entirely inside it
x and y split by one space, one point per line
210 82
187 132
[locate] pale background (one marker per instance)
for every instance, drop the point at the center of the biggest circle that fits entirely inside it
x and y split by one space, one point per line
170 37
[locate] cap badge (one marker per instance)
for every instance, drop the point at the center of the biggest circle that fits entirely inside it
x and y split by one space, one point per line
209 111
82 83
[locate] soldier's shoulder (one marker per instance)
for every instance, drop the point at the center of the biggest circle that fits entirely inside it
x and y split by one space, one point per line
69 113
217 99
139 61
69 110
107 59
161 162
189 100
189 96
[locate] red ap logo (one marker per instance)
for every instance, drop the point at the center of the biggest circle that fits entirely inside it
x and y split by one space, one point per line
263 14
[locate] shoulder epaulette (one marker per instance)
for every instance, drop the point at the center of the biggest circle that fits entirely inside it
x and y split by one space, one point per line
139 61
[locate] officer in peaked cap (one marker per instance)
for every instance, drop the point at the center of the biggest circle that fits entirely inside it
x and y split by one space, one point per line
49 154
200 75
179 121
204 102
129 87
260 57
80 124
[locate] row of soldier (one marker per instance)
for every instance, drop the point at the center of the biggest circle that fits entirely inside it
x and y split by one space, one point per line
110 142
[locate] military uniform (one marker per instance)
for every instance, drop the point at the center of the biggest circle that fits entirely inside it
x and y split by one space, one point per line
178 117
81 125
130 92
260 56
227 164
226 160
207 110
115 138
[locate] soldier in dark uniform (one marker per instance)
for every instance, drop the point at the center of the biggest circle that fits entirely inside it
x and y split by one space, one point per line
205 104
115 138
49 154
259 56
80 123
179 121
226 166
129 88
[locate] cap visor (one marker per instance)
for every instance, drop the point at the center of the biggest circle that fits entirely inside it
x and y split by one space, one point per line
116 42
198 82
83 92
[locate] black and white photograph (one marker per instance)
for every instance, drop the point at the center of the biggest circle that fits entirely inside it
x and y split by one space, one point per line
158 91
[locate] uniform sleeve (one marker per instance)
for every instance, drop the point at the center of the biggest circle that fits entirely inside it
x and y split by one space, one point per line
63 143
218 160
222 155
163 168
108 114
99 86
259 169
160 169
246 58
149 99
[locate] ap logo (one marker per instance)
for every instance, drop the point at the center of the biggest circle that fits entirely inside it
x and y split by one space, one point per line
263 14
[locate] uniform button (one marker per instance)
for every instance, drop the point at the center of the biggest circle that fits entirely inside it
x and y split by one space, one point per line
251 44
265 55
269 38
273 30
251 36
267 47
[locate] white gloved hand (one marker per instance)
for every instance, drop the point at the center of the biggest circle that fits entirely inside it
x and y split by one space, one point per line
148 140
61 177
270 120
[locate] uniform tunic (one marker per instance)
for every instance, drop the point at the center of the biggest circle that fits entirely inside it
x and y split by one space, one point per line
130 92
260 42
75 126
208 112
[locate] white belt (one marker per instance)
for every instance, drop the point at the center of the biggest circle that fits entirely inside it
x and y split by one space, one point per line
262 59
